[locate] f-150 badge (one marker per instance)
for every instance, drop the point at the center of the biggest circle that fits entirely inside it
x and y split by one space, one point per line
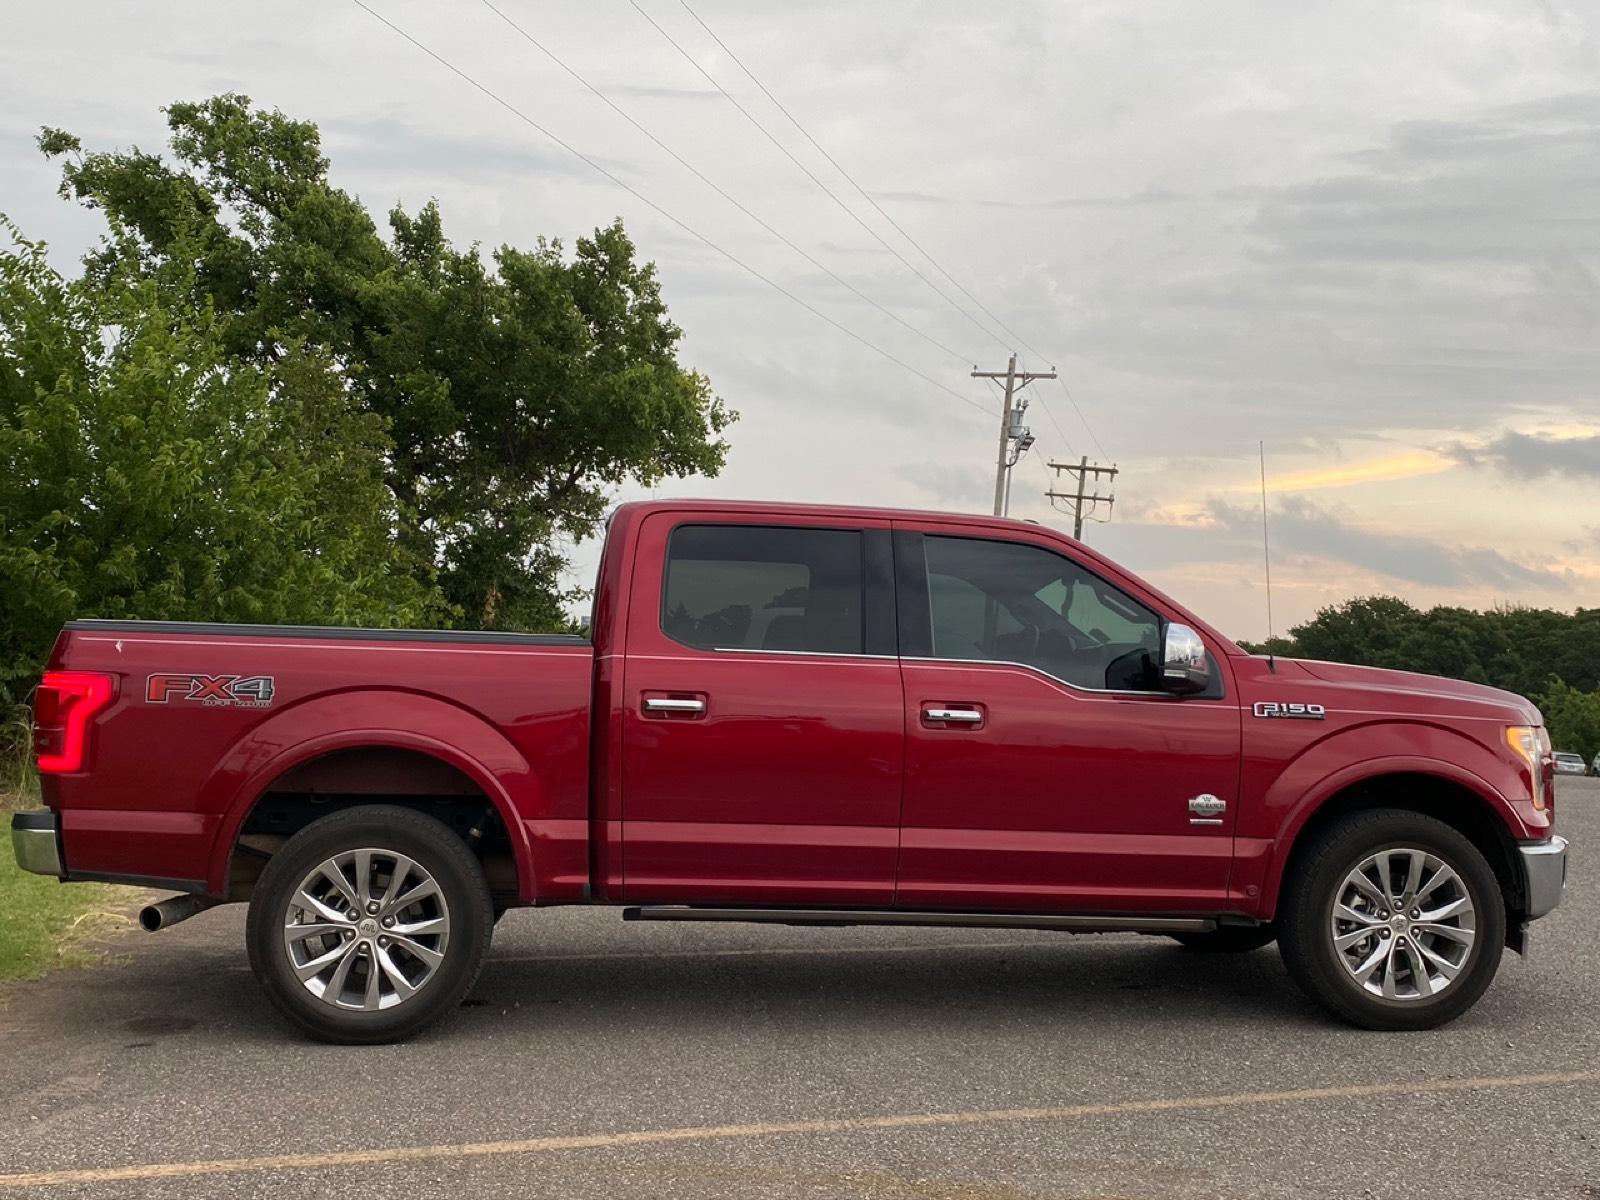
1274 708
213 691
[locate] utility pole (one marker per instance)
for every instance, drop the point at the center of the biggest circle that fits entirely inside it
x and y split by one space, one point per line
1011 428
1084 471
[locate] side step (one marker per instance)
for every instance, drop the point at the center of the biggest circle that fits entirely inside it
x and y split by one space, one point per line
881 916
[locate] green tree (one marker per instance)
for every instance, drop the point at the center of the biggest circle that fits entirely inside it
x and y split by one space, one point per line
1369 631
1573 719
144 472
518 391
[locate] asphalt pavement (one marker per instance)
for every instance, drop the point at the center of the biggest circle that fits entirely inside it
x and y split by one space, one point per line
665 1061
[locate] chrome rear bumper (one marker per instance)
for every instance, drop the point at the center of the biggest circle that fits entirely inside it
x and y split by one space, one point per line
35 842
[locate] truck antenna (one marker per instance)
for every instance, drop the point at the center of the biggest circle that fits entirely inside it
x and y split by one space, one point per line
1266 555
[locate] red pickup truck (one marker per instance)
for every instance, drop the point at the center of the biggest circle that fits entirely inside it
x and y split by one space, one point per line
805 715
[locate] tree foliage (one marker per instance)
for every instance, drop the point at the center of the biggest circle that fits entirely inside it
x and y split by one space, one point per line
1573 718
1551 656
516 392
145 472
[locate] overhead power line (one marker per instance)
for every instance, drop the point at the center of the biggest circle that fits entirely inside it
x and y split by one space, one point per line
1017 338
714 186
1081 418
660 211
865 195
812 175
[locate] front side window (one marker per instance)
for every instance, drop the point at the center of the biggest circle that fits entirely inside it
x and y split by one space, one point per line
1010 602
762 587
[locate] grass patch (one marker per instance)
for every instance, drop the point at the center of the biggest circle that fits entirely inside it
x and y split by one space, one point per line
47 924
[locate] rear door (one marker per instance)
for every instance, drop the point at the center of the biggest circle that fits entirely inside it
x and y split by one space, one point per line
1044 771
763 723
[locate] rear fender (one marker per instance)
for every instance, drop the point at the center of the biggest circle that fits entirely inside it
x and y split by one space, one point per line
373 717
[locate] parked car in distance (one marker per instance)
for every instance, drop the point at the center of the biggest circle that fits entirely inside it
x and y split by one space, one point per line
807 715
1567 763
1594 767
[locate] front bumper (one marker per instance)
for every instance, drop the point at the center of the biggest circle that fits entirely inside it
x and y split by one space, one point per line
1544 867
36 840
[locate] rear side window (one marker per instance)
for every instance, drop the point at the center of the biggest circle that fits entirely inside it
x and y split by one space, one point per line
762 587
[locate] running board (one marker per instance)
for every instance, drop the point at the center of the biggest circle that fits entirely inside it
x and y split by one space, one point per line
878 916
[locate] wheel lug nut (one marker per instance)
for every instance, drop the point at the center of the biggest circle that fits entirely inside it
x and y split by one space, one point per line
383 941
348 934
372 906
1385 934
388 922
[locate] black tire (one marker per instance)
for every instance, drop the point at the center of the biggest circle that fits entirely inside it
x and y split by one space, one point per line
1305 912
434 848
1228 939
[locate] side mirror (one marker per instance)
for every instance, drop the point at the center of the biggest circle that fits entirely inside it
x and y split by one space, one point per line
1185 669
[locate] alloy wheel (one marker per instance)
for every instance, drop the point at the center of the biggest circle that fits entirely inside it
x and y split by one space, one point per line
366 929
1403 924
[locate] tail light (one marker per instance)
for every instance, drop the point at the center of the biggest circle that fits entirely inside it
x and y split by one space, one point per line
62 709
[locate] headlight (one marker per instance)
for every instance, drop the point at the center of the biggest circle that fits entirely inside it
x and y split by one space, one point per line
1531 744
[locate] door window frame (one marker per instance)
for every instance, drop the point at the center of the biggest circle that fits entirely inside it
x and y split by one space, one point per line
878 618
915 614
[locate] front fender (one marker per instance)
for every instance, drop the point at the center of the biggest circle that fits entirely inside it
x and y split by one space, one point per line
372 717
1366 752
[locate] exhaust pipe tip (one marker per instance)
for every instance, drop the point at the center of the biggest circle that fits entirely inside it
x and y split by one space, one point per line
167 912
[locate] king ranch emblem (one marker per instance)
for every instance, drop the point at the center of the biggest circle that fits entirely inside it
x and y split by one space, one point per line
211 691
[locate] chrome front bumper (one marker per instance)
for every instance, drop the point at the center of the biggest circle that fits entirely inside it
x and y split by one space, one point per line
36 843
1544 867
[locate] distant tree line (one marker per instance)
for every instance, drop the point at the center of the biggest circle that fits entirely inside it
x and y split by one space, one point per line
1551 657
253 405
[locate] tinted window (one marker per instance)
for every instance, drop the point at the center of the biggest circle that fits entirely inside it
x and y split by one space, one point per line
749 587
1009 602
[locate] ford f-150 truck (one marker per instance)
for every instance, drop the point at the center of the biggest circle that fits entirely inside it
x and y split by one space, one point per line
805 715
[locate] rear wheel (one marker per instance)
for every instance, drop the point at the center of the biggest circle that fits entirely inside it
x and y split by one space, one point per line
370 924
1228 939
1393 920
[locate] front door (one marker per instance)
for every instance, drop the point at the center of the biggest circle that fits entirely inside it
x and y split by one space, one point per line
763 735
1044 771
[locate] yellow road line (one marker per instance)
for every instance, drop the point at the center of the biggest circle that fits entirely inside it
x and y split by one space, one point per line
703 1133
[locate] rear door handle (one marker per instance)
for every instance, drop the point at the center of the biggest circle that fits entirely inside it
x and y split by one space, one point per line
957 716
673 704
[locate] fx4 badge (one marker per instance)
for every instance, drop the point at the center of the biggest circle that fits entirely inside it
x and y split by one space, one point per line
1274 708
213 691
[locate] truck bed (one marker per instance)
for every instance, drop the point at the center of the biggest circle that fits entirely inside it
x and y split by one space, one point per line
307 704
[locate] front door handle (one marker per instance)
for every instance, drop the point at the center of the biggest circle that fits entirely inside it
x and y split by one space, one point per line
959 716
673 704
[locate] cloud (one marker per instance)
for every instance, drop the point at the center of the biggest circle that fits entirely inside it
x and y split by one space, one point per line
1301 526
951 485
1408 464
1535 455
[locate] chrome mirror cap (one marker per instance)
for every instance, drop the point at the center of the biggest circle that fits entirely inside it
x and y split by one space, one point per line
1185 669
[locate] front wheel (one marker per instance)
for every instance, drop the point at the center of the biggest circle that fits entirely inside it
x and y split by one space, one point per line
1392 920
370 924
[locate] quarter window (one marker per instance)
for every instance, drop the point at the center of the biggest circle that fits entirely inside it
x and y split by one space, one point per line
1010 602
754 587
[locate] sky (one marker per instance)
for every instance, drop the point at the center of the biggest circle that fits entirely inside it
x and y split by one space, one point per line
1365 235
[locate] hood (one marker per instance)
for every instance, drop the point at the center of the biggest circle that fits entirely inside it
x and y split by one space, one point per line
1410 690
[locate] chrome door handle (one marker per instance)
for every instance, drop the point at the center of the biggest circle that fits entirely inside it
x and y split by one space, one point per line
963 716
668 704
